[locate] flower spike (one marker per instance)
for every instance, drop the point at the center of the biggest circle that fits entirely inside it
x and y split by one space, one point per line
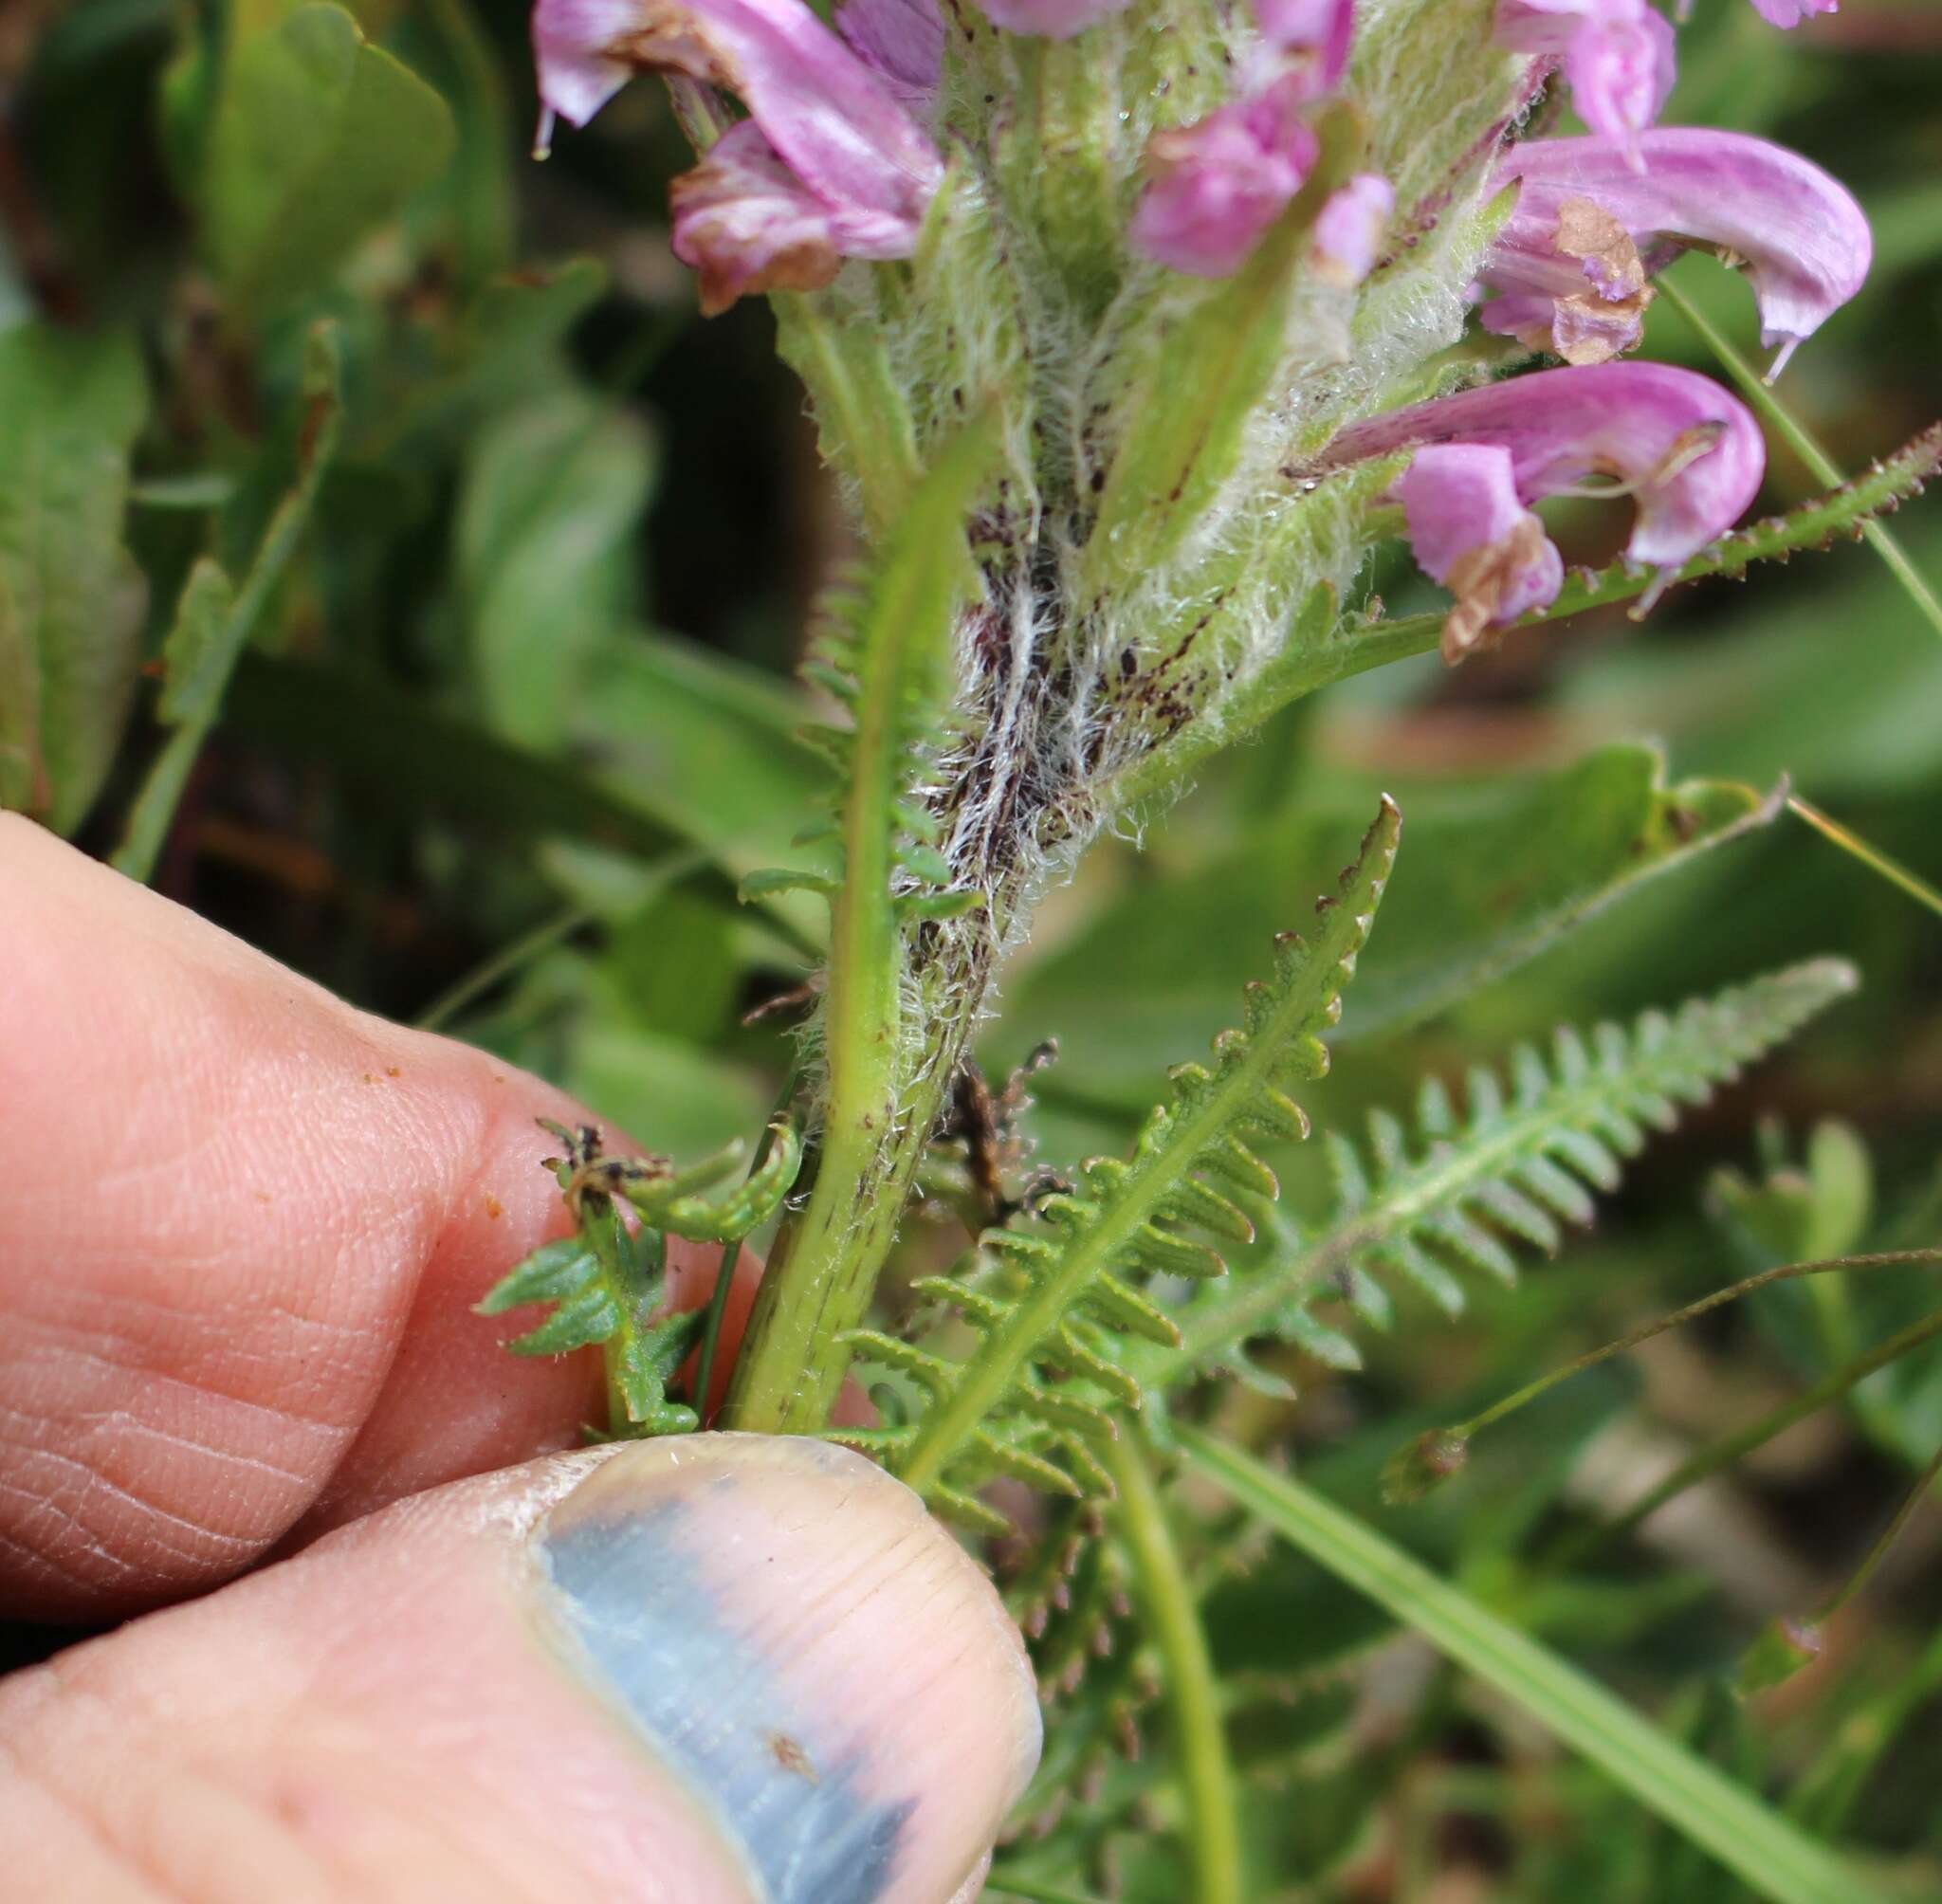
1587 230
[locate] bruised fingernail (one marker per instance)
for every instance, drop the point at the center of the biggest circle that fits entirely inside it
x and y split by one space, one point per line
786 1628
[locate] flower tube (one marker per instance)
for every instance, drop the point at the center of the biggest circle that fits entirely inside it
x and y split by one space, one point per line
1689 454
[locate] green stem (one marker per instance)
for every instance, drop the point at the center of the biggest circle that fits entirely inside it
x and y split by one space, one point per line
1172 1622
1822 466
731 1252
1776 1858
882 1095
1872 857
500 966
1885 1541
1723 1453
1003 1885
1679 1318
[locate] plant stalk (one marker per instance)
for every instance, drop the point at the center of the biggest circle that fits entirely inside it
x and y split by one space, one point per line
1193 1691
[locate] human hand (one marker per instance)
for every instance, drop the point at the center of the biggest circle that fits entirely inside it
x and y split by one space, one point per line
240 1230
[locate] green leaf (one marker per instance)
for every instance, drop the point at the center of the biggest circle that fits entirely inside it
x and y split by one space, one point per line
1525 1163
1749 1837
1068 1296
553 496
319 139
1495 874
214 620
552 1273
70 598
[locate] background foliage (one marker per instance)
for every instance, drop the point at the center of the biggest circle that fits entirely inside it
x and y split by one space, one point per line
396 570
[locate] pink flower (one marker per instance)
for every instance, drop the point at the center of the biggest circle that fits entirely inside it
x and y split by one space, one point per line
838 157
1348 232
1689 454
900 41
1792 13
1214 187
1471 531
1309 36
746 222
1619 56
1051 19
1587 230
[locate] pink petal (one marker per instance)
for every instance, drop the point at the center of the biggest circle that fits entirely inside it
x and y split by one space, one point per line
1214 187
1349 231
1470 529
1689 453
1618 55
900 41
834 123
1799 236
1319 32
745 222
1792 13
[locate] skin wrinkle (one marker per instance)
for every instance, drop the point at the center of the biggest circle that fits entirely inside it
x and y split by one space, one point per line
282 1337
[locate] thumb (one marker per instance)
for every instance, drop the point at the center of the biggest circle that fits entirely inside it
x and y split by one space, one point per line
711 1668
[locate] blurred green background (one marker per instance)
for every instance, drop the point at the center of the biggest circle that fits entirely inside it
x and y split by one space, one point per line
516 705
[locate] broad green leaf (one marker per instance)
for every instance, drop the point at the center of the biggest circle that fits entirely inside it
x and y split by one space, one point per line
1495 875
319 139
70 598
1775 1857
553 497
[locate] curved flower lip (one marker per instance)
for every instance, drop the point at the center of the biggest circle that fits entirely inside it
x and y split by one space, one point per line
745 223
1214 187
1689 454
1799 236
834 123
1471 531
1050 19
1618 55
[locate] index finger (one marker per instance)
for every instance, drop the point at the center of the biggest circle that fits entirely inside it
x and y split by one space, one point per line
242 1227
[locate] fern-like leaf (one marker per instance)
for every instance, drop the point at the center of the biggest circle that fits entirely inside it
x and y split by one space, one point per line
1030 1400
606 1284
1524 1163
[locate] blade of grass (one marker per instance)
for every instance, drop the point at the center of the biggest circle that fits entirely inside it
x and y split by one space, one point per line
1760 1846
501 965
1193 1693
1798 438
